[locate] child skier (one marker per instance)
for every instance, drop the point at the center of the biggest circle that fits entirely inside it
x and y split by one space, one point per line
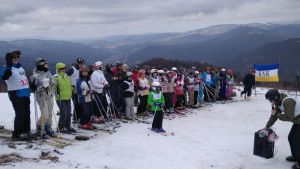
63 90
179 92
41 83
156 102
128 94
85 98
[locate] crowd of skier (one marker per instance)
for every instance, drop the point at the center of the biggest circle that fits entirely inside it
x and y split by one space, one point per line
102 92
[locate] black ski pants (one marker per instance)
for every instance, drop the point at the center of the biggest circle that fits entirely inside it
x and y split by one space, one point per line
143 104
86 114
158 119
21 106
294 140
65 114
247 90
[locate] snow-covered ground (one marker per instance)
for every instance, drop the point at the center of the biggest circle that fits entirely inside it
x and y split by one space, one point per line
219 136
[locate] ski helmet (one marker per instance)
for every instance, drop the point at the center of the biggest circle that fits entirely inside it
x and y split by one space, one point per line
80 61
156 86
174 69
273 95
196 72
98 65
161 71
153 70
40 62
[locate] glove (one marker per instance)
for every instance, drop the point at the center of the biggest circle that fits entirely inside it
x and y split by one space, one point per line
6 74
106 87
32 85
46 82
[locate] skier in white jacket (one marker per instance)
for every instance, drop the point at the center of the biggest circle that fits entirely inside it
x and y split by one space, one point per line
98 83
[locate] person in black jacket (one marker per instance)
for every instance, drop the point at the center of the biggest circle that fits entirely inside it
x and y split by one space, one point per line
128 94
249 83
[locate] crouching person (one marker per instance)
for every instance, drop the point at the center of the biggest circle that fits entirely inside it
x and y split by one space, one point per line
85 98
287 109
41 83
18 92
63 92
156 102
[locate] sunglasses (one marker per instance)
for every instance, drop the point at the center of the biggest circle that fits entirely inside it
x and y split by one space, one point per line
62 69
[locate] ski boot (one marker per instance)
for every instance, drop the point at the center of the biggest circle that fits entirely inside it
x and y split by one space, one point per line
290 159
162 130
296 166
50 132
87 126
155 130
72 130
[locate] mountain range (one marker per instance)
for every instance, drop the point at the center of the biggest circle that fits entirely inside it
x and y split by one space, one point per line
227 45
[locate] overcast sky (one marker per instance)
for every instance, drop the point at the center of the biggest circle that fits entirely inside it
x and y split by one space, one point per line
72 19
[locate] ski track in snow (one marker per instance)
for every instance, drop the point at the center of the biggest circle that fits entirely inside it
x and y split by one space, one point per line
219 136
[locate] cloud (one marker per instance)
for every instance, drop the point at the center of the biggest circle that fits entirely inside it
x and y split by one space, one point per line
92 18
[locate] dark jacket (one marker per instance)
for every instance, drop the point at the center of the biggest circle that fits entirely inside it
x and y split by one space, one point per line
249 80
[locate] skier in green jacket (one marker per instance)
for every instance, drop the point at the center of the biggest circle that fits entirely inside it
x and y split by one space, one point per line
156 102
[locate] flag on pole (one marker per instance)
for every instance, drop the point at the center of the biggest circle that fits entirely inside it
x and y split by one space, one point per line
266 73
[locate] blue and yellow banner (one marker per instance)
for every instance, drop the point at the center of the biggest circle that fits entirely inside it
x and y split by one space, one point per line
266 73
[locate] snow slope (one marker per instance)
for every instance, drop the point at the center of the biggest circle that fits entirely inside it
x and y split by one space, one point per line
218 136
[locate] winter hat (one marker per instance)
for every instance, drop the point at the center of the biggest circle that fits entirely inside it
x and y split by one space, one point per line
98 64
9 56
60 66
230 72
273 95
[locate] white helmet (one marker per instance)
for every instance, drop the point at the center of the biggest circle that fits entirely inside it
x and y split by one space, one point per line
155 84
223 70
196 72
98 64
161 71
174 68
153 70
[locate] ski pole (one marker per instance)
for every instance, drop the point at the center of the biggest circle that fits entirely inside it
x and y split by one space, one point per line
105 111
101 115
